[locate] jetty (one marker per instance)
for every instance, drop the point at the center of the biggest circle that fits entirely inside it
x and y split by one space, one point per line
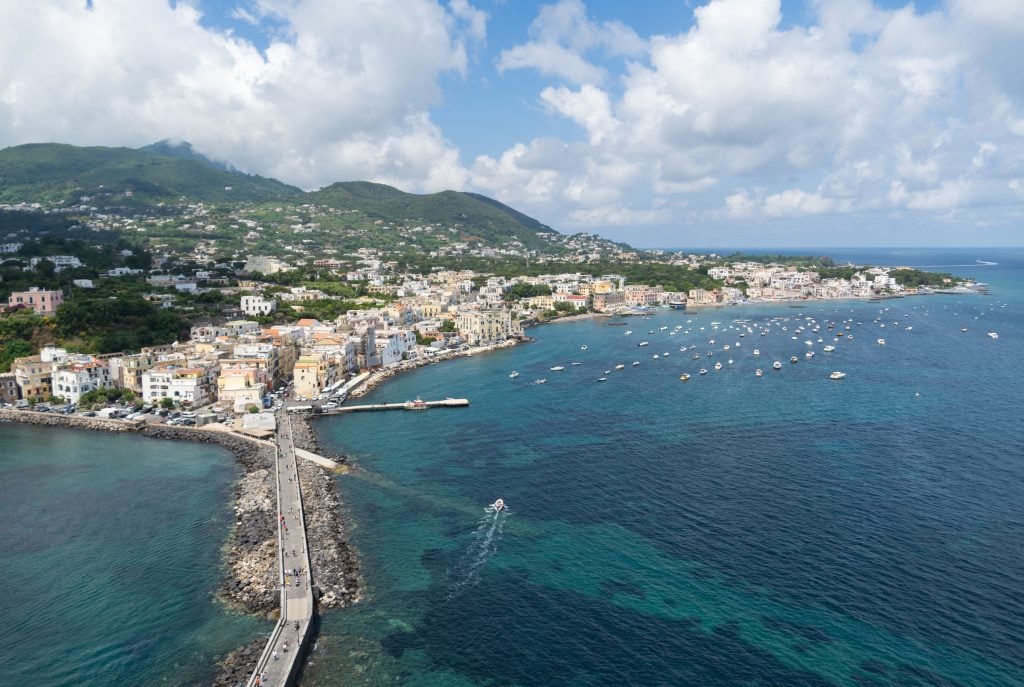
282 658
408 405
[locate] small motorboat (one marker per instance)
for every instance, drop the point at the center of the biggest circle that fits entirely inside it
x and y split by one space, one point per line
718 366
992 335
837 375
619 366
557 368
498 506
794 359
540 381
635 363
703 371
683 377
644 343
759 372
777 365
829 348
513 375
583 347
881 342
602 379
757 351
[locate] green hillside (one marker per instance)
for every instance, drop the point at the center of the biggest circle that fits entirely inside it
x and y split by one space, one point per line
53 173
475 215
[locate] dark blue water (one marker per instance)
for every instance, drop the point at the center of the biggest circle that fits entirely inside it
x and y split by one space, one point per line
111 558
730 530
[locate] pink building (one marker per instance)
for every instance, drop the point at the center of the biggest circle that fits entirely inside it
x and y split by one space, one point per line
42 301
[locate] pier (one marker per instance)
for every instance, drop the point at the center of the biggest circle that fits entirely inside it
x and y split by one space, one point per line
277 665
408 405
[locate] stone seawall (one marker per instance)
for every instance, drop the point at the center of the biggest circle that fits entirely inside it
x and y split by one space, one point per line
333 561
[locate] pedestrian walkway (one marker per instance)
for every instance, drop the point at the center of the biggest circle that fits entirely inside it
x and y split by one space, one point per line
281 658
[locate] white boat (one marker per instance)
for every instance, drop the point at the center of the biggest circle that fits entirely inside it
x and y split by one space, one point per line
777 365
602 379
993 335
759 372
583 347
829 348
635 363
757 351
703 371
513 375
416 404
575 364
556 368
718 366
539 381
644 343
809 354
628 332
619 366
881 342
654 357
963 329
794 359
837 375
498 506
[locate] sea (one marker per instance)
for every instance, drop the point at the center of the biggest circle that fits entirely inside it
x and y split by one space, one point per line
788 529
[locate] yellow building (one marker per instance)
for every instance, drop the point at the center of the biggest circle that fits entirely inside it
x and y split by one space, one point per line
34 377
484 326
310 375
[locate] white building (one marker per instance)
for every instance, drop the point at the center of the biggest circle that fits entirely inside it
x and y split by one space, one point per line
194 386
258 306
264 264
72 381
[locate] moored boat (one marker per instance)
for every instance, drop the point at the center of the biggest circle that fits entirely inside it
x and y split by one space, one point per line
837 375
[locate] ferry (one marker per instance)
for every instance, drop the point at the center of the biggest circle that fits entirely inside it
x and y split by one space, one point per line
416 404
498 506
837 375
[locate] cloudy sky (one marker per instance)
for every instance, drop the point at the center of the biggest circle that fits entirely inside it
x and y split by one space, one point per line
662 122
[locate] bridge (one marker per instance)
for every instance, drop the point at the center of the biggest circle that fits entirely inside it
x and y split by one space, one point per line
282 658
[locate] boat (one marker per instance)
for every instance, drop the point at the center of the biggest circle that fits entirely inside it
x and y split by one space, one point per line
759 372
963 329
703 371
654 357
557 368
583 347
540 381
695 356
602 379
777 365
837 375
619 366
881 342
993 335
498 506
575 364
829 348
416 404
683 377
794 359
628 332
635 363
718 365
757 351
513 375
644 343
809 354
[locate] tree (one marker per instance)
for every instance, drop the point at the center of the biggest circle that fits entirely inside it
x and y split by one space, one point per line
447 326
15 348
167 402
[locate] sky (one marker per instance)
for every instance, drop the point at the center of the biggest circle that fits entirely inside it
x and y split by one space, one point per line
664 123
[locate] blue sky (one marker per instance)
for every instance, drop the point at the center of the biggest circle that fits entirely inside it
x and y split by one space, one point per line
663 122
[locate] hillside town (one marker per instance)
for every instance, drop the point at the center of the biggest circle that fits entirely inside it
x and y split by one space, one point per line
231 365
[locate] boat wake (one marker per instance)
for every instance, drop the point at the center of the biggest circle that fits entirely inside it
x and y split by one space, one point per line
465 573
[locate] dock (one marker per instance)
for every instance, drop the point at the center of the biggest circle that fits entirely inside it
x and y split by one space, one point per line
408 405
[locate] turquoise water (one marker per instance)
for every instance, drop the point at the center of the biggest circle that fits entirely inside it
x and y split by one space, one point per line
730 530
111 553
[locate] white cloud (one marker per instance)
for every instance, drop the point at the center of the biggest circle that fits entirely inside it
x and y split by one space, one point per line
342 93
561 35
860 110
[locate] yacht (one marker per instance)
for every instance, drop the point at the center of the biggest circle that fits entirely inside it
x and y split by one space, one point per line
654 357
777 365
513 375
837 375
